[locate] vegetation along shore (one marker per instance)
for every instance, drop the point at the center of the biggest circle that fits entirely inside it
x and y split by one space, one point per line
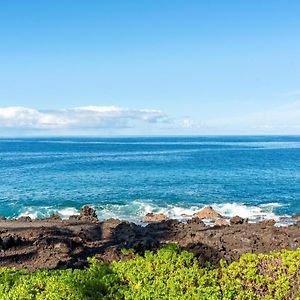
84 258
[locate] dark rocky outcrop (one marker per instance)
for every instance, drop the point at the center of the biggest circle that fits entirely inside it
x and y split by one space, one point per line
9 241
237 220
59 243
87 213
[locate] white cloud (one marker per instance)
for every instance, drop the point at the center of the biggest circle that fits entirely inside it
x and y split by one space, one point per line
84 120
92 117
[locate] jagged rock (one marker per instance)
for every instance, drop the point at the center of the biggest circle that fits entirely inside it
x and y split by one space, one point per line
222 222
207 213
108 227
88 213
150 217
237 220
74 218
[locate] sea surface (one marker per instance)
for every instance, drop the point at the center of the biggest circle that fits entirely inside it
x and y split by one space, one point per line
256 177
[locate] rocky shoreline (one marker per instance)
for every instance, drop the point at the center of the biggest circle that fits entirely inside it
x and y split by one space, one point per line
54 243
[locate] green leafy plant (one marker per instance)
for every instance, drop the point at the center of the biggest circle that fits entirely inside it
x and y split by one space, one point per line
166 274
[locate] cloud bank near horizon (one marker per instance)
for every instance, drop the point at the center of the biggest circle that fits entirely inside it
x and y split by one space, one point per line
117 120
85 117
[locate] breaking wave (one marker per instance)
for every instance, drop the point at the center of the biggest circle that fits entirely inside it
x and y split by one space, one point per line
136 210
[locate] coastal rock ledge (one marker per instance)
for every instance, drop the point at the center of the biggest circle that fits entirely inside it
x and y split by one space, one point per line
56 244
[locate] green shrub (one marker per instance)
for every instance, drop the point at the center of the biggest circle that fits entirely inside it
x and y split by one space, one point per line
91 283
263 276
166 274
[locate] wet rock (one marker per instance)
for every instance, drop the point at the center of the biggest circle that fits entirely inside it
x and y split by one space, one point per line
222 222
237 220
296 217
53 217
87 211
151 217
207 213
74 218
24 219
3 218
269 222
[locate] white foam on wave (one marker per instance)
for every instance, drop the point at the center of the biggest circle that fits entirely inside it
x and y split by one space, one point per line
29 212
258 212
37 212
136 210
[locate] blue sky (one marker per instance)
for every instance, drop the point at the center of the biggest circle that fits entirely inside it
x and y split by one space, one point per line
149 67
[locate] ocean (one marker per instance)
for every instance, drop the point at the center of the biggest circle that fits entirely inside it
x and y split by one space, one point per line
252 176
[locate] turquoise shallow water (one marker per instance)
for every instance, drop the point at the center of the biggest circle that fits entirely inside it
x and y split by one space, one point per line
255 177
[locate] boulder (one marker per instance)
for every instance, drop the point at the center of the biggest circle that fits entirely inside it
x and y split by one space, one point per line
268 222
207 213
222 222
88 213
24 219
237 220
151 217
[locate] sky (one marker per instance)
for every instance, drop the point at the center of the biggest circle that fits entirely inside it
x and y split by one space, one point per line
149 67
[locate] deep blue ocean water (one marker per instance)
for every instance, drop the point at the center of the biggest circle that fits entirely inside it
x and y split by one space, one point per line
253 176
